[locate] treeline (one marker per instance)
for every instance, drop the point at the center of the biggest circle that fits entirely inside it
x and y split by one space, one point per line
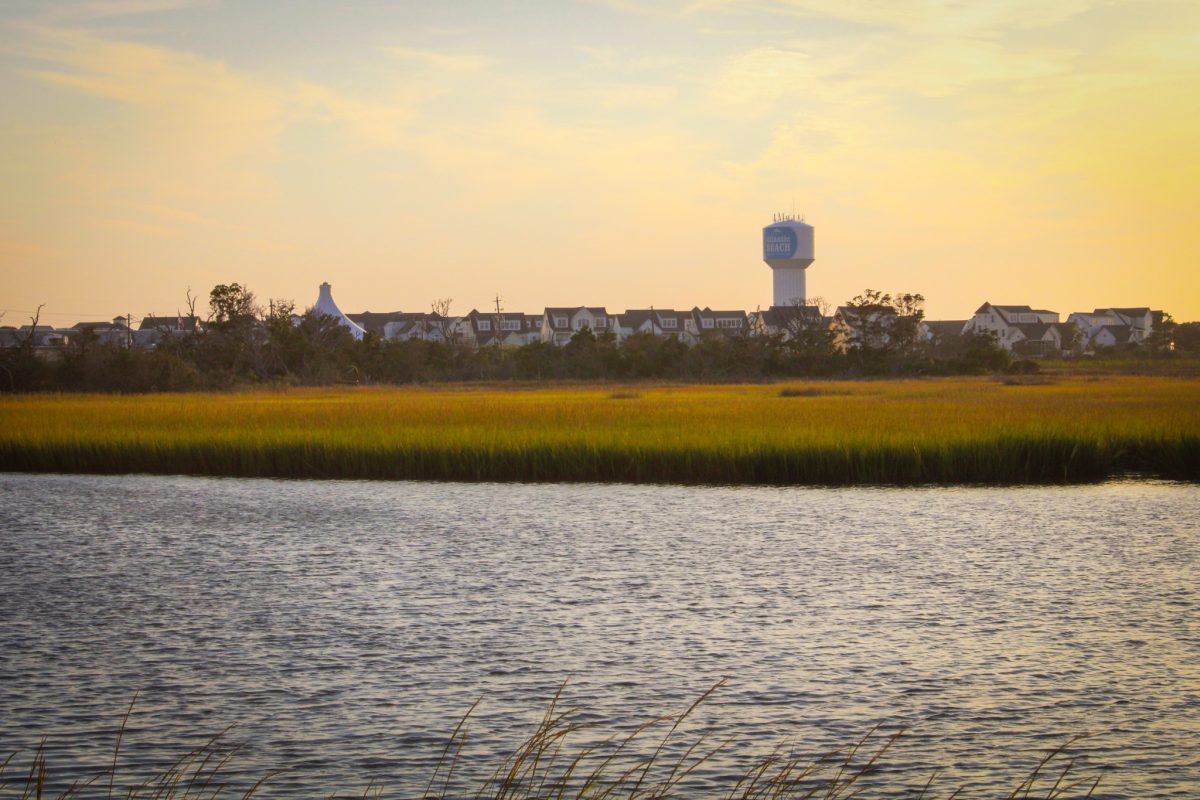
243 346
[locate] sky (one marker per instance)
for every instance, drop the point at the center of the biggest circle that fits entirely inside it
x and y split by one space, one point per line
624 153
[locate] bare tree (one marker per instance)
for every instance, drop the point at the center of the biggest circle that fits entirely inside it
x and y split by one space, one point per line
440 311
27 343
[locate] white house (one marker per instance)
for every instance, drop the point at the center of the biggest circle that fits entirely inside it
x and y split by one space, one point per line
1105 327
1013 324
666 322
703 322
560 324
506 328
788 321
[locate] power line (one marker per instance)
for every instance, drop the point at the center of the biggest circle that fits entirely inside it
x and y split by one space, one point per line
98 314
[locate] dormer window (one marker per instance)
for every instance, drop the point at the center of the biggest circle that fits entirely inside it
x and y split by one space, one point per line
601 322
706 323
560 322
484 324
670 322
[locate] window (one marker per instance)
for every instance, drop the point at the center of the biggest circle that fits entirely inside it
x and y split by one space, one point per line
510 325
729 323
670 322
706 323
601 322
535 322
560 322
484 324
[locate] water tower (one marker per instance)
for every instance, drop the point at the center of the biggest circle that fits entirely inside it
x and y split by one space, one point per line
788 250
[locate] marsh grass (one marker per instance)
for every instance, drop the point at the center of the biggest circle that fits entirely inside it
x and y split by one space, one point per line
811 391
952 431
647 763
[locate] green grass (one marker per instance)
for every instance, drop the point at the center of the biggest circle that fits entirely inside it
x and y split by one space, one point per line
654 761
895 432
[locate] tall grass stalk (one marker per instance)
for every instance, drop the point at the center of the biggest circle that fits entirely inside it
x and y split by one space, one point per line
548 765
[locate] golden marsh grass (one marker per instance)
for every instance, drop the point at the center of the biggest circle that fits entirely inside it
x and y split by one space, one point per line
889 432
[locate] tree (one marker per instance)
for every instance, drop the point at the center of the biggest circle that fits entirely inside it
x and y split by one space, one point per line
1162 336
230 303
443 323
808 336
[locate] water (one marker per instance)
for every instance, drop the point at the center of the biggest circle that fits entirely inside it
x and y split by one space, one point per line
343 628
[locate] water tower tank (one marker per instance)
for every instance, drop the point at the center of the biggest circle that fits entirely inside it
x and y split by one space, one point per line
788 250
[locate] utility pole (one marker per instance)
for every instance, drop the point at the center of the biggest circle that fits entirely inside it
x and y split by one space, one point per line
499 321
128 331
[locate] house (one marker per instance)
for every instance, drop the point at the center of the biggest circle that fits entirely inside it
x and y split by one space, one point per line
940 331
42 335
113 334
560 324
176 324
866 327
1128 325
1113 335
665 322
429 327
505 328
1037 338
789 322
706 322
1013 324
377 321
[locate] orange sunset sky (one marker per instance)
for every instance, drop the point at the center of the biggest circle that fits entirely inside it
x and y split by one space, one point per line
623 153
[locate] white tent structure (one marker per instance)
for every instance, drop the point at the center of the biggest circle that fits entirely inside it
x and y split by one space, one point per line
326 306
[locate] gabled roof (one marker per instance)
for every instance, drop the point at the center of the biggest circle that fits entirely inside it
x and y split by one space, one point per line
1035 330
374 321
945 327
1120 333
780 317
729 314
552 311
1004 309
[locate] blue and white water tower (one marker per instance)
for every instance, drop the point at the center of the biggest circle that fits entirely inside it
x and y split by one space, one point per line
788 250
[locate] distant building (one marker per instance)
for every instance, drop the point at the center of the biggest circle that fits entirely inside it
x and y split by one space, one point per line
503 328
665 322
1012 325
706 322
175 324
788 321
559 324
1105 327
327 307
941 331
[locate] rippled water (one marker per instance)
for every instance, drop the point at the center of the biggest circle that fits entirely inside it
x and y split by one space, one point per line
344 627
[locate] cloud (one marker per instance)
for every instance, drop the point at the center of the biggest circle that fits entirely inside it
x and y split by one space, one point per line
91 10
950 17
460 63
